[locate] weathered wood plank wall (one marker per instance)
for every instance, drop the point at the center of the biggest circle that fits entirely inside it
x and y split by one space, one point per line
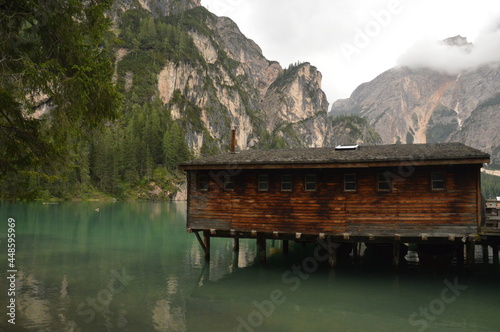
411 204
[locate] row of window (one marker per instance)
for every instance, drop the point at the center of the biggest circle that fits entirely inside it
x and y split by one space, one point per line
384 182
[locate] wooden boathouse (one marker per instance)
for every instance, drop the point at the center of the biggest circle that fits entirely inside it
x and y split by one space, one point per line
420 193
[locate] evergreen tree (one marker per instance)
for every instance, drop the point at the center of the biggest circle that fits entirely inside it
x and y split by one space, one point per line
51 52
174 147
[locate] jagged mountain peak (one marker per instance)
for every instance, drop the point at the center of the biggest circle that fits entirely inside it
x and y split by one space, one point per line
210 77
459 41
423 105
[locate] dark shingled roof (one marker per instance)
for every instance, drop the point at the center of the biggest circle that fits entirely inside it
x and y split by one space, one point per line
364 154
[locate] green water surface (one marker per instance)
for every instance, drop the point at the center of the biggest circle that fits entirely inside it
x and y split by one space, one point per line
131 266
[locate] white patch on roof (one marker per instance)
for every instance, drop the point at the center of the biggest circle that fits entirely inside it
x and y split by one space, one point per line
346 147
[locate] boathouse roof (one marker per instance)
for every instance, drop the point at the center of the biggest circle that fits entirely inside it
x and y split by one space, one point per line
362 156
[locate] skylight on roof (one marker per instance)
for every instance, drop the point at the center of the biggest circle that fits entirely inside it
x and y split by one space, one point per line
346 147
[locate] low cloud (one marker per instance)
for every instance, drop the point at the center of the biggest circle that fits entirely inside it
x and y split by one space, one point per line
453 59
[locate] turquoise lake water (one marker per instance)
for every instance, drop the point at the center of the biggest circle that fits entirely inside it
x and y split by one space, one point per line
124 266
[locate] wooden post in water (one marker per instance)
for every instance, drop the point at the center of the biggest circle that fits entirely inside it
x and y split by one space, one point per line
355 252
460 255
261 247
495 254
485 254
332 253
236 250
471 248
206 241
396 247
285 247
332 257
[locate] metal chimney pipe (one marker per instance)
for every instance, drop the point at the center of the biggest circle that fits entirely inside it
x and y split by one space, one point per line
233 139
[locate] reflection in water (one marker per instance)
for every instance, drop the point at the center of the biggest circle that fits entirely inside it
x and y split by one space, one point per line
30 301
246 255
64 287
172 285
73 262
168 318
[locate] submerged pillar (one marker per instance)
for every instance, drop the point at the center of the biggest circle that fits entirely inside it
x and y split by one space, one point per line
332 249
355 252
460 255
471 248
485 254
396 247
495 254
236 250
332 257
285 247
261 247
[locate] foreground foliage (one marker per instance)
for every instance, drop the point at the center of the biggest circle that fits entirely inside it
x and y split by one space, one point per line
51 58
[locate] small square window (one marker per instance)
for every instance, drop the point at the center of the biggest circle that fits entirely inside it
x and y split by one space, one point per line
438 180
203 182
286 182
349 182
310 182
228 182
384 182
263 182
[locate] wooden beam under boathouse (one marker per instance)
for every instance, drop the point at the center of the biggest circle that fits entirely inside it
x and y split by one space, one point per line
392 194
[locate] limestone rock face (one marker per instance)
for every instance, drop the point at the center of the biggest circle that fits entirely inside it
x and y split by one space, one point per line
423 106
238 86
225 81
296 106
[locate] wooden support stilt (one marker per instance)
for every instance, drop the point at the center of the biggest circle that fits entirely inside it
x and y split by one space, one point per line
396 247
261 247
206 241
355 252
285 247
495 254
203 244
460 255
471 248
236 259
486 259
332 257
236 244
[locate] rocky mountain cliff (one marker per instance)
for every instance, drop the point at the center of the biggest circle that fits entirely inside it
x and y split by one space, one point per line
409 105
211 77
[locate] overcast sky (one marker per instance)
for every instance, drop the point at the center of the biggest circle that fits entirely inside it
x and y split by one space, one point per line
352 41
